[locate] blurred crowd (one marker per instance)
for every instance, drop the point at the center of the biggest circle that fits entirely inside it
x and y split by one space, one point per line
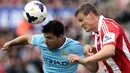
27 59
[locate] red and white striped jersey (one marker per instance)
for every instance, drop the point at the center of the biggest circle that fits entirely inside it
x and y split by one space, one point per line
110 32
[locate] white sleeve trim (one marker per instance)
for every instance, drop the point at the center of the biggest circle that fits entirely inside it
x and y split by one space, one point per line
32 40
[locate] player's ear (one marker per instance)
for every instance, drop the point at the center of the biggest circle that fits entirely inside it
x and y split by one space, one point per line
61 36
91 14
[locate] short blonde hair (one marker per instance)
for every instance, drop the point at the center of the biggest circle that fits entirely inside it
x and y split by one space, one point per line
85 8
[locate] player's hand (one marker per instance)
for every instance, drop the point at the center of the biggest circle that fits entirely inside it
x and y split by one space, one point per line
72 58
89 50
6 46
75 58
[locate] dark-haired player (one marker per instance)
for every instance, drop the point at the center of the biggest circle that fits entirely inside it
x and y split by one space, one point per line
54 46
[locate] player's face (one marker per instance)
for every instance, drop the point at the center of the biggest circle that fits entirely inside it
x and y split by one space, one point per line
51 41
86 21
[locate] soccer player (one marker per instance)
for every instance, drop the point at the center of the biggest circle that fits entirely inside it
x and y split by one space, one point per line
55 48
111 43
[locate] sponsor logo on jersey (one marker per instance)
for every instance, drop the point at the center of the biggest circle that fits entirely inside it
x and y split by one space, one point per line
55 63
64 53
108 37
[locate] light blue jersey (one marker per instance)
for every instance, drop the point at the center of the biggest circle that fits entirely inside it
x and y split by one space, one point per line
56 61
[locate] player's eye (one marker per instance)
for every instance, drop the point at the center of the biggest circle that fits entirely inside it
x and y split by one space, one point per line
49 38
80 20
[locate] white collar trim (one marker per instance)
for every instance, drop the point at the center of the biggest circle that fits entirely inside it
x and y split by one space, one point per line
100 22
64 43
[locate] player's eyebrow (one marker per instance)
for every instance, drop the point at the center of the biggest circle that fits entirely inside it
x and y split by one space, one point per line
80 19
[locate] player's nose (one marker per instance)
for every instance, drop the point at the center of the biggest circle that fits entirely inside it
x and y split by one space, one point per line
46 41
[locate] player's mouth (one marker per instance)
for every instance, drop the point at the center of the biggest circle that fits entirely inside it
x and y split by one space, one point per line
48 46
83 26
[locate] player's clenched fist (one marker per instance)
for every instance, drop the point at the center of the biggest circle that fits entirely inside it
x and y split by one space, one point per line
89 50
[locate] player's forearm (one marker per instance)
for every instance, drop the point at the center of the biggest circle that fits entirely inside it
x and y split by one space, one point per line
22 40
92 67
93 46
103 54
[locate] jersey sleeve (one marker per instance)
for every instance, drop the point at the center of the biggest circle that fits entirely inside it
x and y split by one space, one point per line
111 36
37 39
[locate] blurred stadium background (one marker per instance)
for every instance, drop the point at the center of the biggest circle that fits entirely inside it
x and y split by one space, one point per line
27 59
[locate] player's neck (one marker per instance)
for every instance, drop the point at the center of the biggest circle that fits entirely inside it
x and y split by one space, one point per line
62 42
96 24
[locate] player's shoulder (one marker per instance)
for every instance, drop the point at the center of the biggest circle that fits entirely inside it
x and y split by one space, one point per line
110 23
74 46
38 37
72 42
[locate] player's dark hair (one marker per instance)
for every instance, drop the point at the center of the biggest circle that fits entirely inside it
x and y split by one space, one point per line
55 27
85 8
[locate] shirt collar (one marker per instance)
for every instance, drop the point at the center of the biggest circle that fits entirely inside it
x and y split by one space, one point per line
100 22
64 43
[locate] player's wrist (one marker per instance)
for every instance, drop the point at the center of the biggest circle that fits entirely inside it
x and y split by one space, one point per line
10 43
93 46
82 61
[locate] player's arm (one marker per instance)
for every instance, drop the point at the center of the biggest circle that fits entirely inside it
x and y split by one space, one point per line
21 40
106 52
90 50
109 46
92 67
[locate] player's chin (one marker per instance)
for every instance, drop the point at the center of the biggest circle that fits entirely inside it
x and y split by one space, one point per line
87 30
50 48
